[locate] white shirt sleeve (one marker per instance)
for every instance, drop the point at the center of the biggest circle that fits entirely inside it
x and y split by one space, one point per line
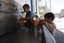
52 26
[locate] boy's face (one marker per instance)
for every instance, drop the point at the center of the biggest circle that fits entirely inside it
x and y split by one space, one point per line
26 9
49 20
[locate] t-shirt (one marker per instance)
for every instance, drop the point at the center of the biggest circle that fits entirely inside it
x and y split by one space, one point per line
53 26
30 22
30 14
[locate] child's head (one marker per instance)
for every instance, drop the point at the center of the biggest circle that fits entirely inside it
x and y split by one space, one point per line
49 17
26 7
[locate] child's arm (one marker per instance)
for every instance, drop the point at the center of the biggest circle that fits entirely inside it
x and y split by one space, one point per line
27 18
50 27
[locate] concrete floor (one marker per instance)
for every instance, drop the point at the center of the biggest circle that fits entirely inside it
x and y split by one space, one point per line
59 37
20 37
27 37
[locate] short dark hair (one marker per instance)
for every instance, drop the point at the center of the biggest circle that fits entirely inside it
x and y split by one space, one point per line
50 15
26 6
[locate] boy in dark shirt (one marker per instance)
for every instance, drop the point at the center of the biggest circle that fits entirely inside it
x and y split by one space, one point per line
29 17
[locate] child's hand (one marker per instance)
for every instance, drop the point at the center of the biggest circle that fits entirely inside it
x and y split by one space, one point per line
43 22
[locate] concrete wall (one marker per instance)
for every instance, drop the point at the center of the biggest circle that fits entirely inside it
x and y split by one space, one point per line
8 19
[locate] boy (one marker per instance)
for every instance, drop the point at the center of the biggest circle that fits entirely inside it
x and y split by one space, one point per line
29 17
48 22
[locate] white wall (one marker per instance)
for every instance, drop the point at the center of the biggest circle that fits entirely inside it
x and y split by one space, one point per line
22 2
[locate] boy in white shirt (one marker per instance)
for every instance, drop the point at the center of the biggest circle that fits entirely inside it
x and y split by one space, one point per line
48 22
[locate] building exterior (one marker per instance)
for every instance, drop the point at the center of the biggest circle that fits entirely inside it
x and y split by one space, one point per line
60 15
